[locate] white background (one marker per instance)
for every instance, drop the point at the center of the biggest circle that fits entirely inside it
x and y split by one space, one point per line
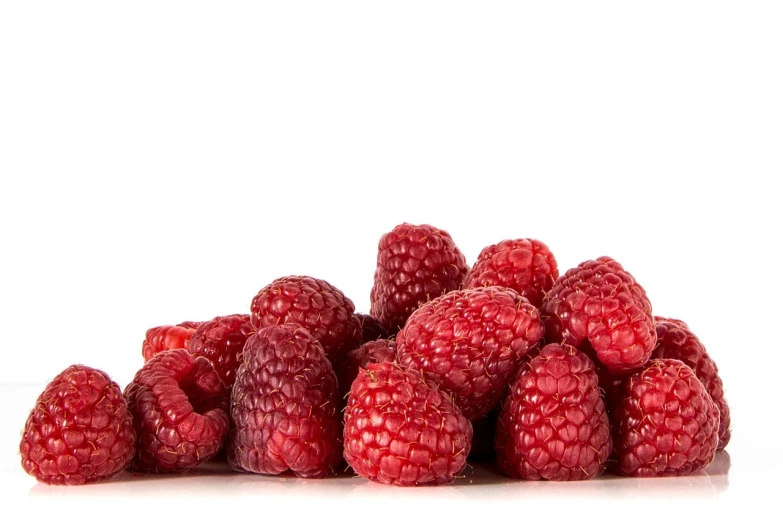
162 162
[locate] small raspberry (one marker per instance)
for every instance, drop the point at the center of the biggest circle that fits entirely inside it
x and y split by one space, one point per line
524 265
80 430
676 341
553 425
401 430
371 328
665 422
162 338
285 406
314 304
370 352
599 307
178 407
416 263
221 341
470 342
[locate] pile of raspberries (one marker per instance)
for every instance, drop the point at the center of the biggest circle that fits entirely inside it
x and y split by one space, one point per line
555 377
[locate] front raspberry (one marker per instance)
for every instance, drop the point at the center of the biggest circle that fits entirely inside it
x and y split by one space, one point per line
178 407
313 304
163 338
601 309
416 263
665 423
80 430
676 341
470 342
381 350
553 425
401 430
285 406
221 341
524 265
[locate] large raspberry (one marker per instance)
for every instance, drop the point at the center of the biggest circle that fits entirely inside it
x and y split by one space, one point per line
401 430
676 341
416 263
221 341
370 352
371 328
601 309
285 406
314 304
524 265
470 342
665 422
162 338
553 425
178 407
79 431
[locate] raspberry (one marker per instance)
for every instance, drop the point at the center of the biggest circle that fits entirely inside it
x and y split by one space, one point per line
676 341
221 341
79 431
371 328
371 352
401 430
314 304
416 263
524 265
600 308
665 422
470 342
553 425
284 406
162 338
178 404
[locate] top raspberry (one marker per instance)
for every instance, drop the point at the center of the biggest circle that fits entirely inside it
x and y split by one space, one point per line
416 263
524 265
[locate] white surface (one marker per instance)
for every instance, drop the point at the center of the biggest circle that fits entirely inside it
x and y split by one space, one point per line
162 162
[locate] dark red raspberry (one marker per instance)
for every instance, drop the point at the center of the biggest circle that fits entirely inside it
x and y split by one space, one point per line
553 425
370 352
416 263
285 406
221 341
524 265
470 342
401 430
314 304
178 407
599 307
162 338
79 431
676 341
371 328
665 422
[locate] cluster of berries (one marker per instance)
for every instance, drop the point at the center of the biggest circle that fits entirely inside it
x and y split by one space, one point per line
556 377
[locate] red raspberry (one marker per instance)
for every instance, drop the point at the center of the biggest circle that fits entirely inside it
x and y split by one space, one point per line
221 341
676 341
599 307
400 430
370 352
665 422
470 342
553 425
162 338
524 265
314 304
371 328
285 406
79 431
416 263
178 407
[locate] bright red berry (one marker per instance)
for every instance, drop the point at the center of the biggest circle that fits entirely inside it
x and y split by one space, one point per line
665 422
524 265
371 328
470 342
370 352
221 341
79 431
676 341
401 430
162 338
314 304
416 263
285 406
553 425
178 407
